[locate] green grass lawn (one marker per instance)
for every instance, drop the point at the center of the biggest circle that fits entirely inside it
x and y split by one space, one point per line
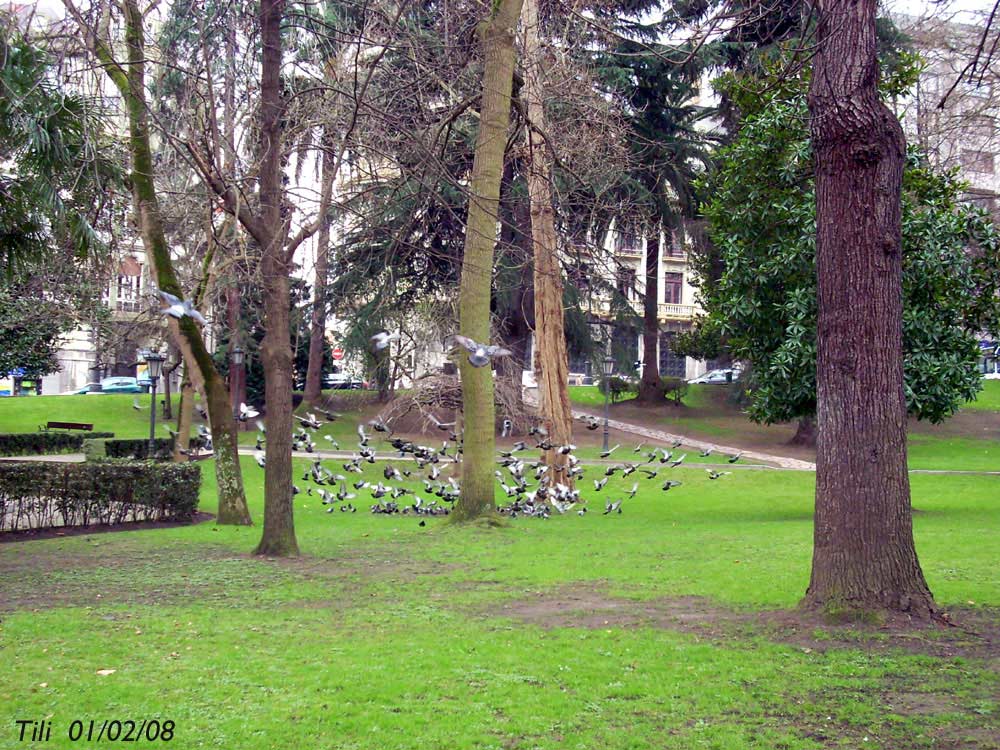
649 629
111 412
988 398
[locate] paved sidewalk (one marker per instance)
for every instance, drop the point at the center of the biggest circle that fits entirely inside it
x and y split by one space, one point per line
660 436
669 437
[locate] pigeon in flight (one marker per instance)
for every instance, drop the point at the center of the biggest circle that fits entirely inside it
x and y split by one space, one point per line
480 354
247 412
381 340
136 405
178 308
609 451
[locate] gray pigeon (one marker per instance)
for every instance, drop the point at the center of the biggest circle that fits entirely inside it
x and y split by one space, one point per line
178 308
480 354
381 340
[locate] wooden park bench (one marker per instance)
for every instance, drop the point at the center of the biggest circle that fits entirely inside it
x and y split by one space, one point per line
88 427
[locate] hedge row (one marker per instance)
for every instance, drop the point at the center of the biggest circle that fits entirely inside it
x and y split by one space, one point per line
38 495
39 443
132 449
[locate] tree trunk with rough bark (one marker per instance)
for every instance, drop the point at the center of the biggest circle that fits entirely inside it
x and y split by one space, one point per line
650 385
185 417
805 433
278 538
497 36
864 558
130 82
550 337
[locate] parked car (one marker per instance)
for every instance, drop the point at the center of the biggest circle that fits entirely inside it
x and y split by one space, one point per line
716 377
343 381
85 390
120 385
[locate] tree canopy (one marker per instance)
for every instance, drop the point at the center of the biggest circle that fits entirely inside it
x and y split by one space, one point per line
762 220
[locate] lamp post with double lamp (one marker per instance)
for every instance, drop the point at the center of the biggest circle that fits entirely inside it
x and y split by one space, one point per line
154 365
235 374
609 366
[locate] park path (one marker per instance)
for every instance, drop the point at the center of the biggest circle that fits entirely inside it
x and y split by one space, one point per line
661 436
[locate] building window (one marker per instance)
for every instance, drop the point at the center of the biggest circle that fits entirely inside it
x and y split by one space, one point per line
675 246
626 283
673 284
981 126
628 242
977 161
128 290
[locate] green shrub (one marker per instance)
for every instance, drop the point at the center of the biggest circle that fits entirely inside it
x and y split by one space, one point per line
139 449
674 389
40 495
41 443
619 387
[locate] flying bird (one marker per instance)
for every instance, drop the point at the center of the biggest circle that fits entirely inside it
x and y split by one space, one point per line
178 308
480 354
609 451
247 412
381 340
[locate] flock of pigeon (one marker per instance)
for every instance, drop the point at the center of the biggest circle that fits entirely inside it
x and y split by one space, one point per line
535 489
532 491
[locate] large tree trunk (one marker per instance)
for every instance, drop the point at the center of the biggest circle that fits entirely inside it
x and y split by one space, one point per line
650 386
130 81
550 338
185 417
805 432
864 557
278 538
497 35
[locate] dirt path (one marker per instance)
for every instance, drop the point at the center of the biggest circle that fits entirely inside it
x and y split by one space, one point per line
661 436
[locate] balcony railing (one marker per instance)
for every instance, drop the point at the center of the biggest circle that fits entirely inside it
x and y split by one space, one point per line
670 311
665 310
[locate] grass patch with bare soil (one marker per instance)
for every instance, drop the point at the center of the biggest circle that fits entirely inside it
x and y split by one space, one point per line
672 625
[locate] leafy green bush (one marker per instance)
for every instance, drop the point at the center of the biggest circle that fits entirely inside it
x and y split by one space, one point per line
40 495
619 387
674 389
40 443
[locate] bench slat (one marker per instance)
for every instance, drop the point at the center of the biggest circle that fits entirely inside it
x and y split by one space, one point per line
89 427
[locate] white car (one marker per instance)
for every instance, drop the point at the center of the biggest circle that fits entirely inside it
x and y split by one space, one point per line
717 377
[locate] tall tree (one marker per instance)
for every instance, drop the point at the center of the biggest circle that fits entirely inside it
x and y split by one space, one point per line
668 153
864 557
550 337
497 36
130 79
762 220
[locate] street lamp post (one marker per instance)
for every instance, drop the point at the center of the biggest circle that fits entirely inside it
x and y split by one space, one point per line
154 363
609 366
235 373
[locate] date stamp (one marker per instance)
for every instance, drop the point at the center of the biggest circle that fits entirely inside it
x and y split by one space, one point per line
103 730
